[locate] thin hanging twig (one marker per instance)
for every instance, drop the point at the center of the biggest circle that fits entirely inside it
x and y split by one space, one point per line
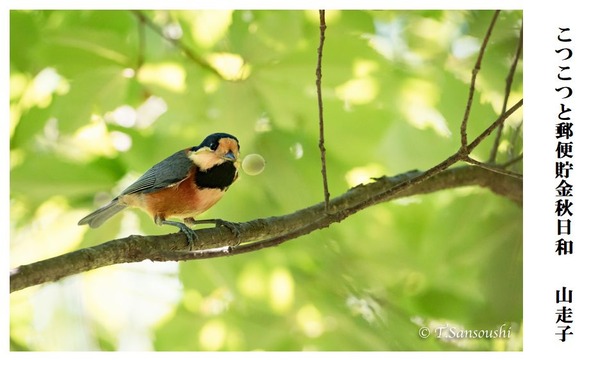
320 103
509 81
141 44
476 68
176 42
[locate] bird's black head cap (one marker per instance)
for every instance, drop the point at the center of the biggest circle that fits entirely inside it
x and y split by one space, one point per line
212 141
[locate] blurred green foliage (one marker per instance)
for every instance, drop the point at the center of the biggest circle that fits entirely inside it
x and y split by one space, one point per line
97 97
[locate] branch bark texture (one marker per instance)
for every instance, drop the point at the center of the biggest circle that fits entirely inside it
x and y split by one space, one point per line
264 232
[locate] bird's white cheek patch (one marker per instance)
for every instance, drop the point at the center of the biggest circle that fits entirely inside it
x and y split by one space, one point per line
205 160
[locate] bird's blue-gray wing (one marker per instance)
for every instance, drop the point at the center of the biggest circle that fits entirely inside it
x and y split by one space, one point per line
168 172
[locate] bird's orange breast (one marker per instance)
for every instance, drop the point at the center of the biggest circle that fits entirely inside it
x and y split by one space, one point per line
182 200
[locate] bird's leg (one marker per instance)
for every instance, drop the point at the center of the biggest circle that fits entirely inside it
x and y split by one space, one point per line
189 233
232 226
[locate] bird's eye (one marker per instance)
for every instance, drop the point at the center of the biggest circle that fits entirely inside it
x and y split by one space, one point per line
214 145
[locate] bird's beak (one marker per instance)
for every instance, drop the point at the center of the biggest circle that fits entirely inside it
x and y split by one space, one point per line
229 156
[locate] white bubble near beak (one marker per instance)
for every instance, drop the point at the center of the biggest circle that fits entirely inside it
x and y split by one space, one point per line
253 164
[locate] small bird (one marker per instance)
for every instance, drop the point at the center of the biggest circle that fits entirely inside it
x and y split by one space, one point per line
183 185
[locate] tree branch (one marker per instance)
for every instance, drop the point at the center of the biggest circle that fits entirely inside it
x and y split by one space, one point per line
323 26
474 72
509 81
141 44
177 43
494 125
260 233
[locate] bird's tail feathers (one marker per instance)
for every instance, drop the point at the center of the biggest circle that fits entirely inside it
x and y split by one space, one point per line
100 216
